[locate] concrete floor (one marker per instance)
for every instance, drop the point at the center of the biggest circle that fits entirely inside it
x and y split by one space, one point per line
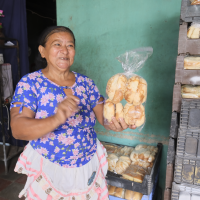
12 183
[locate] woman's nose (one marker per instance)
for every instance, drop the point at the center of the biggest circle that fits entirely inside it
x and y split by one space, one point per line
64 50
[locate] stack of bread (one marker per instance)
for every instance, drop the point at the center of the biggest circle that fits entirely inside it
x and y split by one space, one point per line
195 2
134 91
194 31
191 62
190 91
131 163
124 194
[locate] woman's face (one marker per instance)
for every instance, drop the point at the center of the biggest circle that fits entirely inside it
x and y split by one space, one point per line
59 51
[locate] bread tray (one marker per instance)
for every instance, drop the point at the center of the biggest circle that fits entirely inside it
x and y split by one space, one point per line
148 182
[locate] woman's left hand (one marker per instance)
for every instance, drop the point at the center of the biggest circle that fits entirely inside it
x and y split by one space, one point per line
116 126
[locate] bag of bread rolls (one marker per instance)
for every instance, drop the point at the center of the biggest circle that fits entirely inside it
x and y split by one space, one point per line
130 87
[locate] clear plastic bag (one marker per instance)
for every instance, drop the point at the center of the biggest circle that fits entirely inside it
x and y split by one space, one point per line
195 2
128 86
190 91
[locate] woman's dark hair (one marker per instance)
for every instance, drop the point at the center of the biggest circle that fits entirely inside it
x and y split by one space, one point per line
41 63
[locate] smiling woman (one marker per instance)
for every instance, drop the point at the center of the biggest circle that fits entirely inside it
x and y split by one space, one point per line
56 109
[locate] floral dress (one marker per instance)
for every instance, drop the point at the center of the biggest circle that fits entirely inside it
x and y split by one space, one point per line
73 143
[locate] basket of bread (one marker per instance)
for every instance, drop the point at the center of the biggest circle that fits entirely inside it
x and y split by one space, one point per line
132 164
130 87
195 2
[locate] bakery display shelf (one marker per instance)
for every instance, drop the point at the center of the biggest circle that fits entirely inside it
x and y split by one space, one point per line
184 191
190 13
188 144
169 175
186 76
171 151
190 115
187 171
146 186
174 125
185 44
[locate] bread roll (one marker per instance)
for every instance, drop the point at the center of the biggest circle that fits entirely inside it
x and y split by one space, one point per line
190 31
129 195
190 89
126 151
111 190
112 161
137 196
195 34
136 90
116 87
119 192
119 111
109 110
195 2
140 146
122 164
134 115
191 62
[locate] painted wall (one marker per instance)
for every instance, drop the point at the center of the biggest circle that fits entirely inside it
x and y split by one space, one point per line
105 29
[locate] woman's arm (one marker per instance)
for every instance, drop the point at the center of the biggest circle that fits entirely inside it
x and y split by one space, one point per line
25 127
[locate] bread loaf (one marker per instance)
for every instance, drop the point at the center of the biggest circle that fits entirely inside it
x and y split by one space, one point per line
129 195
137 196
112 161
190 31
189 91
134 115
195 2
195 33
111 190
109 110
116 87
136 90
119 111
191 62
119 192
122 164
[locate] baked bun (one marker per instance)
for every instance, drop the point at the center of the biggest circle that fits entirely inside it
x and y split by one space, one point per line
119 111
111 190
116 87
122 164
112 160
195 2
136 90
134 115
109 110
191 62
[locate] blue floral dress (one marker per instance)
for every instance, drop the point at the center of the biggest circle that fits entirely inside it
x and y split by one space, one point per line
74 143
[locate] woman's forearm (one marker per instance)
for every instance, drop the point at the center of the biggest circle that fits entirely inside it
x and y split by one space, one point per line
25 128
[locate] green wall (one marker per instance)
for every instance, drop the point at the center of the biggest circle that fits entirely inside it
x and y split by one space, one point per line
105 29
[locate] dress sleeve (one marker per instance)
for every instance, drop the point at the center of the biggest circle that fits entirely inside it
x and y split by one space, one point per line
26 94
94 94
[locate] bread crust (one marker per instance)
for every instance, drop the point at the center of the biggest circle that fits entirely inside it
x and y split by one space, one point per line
119 111
116 87
134 115
191 62
109 110
136 90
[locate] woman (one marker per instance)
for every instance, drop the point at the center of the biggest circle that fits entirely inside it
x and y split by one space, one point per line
55 109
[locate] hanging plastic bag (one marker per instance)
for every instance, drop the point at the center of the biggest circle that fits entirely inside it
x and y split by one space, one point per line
128 86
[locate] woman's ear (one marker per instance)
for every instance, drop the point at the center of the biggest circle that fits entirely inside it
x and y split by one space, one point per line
41 50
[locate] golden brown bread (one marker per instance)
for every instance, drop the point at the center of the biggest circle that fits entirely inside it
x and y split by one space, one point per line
133 177
192 62
136 90
112 161
111 190
119 192
116 87
119 111
134 115
129 195
195 2
109 110
137 196
122 164
190 31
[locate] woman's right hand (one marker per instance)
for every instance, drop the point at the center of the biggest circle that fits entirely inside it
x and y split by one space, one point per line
67 108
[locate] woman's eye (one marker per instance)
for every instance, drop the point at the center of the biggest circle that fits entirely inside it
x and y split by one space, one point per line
57 44
71 45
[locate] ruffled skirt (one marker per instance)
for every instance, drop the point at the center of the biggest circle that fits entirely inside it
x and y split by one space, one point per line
49 181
